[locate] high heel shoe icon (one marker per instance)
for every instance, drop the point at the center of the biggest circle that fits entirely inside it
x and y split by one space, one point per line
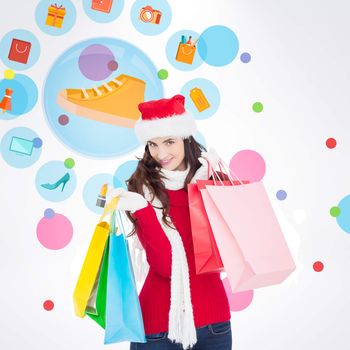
63 180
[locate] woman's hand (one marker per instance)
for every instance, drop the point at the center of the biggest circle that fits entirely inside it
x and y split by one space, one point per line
212 157
130 201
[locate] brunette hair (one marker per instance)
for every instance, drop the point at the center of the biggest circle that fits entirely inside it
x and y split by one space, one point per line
147 173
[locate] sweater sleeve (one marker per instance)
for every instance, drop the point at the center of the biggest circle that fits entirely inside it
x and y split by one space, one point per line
154 241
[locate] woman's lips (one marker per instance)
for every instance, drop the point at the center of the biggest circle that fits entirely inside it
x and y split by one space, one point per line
165 162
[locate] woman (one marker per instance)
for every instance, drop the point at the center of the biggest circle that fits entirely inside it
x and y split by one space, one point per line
180 309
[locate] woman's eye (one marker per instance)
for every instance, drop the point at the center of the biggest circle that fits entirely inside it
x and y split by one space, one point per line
170 142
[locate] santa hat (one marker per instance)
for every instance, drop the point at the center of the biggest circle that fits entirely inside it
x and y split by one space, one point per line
164 117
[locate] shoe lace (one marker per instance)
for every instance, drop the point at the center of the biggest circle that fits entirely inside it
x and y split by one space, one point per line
98 92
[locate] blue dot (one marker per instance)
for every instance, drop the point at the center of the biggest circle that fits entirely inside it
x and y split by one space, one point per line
37 142
49 213
281 195
218 46
245 57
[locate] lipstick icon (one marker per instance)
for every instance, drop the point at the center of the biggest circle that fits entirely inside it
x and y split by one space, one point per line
101 199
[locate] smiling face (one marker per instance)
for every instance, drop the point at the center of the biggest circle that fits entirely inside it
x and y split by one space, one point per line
168 151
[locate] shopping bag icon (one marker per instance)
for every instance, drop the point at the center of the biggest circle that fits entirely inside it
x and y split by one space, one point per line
102 5
19 51
185 53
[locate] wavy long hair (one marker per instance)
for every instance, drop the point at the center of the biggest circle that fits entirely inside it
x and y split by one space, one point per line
147 173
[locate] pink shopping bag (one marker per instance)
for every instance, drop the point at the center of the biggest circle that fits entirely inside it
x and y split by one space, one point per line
249 238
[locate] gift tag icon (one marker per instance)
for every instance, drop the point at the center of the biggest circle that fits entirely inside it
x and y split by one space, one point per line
19 51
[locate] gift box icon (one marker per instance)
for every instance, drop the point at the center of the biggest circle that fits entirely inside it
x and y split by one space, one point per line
55 16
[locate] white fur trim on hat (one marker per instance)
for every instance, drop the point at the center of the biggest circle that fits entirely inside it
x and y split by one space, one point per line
183 125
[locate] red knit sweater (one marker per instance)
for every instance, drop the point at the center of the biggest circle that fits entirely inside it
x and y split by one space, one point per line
208 295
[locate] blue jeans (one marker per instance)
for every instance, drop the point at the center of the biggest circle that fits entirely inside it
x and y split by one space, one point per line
216 336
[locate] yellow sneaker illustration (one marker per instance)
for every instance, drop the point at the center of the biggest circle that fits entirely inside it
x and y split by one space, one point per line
115 102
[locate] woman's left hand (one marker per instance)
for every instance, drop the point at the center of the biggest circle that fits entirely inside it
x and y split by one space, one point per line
212 157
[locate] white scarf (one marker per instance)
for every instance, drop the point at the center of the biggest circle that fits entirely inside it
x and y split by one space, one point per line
181 321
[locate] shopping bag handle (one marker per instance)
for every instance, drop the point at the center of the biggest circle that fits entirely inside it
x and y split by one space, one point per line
109 208
223 168
189 52
120 222
230 171
211 171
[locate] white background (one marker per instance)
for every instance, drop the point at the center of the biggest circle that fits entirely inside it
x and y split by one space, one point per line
300 71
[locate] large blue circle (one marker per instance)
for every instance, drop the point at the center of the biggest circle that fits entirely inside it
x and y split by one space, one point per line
218 46
86 136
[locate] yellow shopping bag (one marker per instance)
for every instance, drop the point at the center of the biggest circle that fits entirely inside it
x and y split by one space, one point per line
92 262
185 53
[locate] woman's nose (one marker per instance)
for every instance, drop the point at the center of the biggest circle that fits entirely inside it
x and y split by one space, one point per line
162 153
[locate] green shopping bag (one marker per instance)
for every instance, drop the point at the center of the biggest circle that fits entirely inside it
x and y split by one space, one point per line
96 308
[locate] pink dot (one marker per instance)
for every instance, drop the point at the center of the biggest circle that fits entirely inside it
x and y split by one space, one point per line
237 301
112 65
331 143
248 165
48 305
318 266
54 233
63 119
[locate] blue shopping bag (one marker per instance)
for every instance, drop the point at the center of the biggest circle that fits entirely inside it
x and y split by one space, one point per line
123 312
